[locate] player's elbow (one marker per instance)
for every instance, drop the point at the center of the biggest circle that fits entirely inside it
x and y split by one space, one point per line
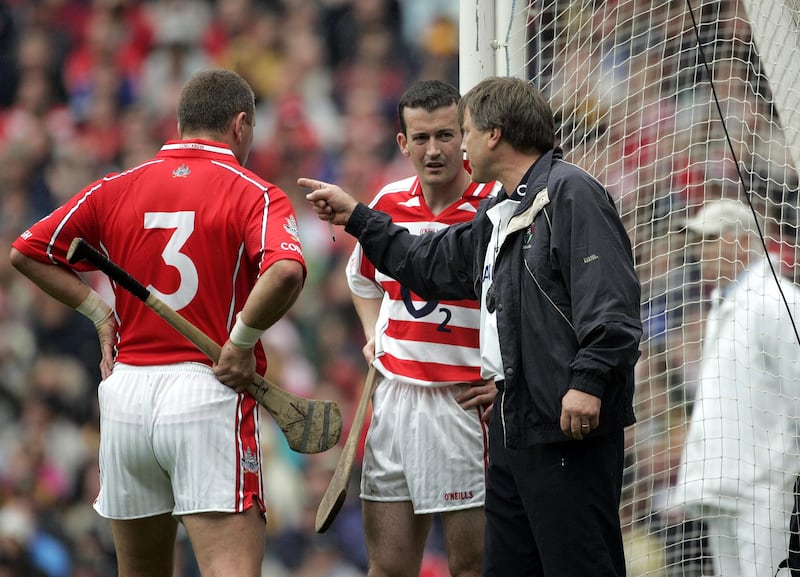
18 260
289 275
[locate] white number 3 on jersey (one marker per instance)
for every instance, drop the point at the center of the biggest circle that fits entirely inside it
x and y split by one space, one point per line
183 225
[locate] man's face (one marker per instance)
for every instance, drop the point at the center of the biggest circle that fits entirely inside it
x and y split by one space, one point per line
433 142
721 257
473 145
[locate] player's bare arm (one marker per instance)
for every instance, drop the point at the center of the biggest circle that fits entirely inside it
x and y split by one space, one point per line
67 287
272 296
367 311
329 201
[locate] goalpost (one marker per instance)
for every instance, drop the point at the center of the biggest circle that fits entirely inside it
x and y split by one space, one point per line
669 103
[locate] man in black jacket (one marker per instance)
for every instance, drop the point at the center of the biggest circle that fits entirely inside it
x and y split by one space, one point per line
551 263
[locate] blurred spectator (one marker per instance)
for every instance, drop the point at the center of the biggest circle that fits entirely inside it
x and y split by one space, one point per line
42 450
346 23
176 54
17 528
8 67
438 51
257 53
102 62
90 538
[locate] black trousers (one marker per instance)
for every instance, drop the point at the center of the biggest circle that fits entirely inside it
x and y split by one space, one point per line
553 510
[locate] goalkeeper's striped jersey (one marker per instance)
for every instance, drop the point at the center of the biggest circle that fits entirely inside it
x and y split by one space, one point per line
417 341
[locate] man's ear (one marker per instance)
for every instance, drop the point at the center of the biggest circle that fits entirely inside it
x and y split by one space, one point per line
495 134
239 122
402 143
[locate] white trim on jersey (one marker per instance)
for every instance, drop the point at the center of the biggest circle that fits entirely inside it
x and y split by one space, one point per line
198 146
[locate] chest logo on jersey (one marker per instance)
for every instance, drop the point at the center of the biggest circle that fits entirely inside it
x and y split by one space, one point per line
181 172
250 461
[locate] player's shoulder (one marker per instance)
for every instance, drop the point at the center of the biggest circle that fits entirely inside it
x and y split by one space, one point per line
248 180
481 190
395 192
132 172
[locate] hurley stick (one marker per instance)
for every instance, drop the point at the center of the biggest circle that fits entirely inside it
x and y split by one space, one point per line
334 496
310 426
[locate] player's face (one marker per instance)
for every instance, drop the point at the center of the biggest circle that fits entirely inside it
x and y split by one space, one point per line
433 142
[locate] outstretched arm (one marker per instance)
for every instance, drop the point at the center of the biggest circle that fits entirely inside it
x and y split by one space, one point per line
329 201
435 265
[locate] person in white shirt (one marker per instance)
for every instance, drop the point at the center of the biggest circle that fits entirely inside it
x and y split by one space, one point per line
741 455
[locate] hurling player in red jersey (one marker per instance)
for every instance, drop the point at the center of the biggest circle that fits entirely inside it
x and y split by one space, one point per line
180 436
426 446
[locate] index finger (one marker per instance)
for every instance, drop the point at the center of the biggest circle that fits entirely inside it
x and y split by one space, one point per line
309 183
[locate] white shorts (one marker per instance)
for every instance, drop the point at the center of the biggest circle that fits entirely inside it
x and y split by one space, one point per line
423 447
173 439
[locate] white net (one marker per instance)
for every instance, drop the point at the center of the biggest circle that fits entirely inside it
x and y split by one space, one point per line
673 104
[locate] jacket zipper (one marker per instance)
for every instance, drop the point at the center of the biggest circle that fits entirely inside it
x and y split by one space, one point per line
503 417
541 290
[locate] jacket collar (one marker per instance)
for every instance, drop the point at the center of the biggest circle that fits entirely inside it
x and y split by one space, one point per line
536 196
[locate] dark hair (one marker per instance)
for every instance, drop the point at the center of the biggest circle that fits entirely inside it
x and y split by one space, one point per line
516 107
211 99
429 95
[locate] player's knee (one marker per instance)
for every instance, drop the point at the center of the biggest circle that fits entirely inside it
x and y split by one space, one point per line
393 568
466 564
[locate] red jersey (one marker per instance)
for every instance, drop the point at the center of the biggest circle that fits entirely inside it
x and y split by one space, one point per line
420 342
193 226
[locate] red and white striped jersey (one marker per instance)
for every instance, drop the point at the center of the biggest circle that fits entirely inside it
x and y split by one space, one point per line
416 341
193 226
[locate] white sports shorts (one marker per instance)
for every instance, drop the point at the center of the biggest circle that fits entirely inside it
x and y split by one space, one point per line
173 439
423 447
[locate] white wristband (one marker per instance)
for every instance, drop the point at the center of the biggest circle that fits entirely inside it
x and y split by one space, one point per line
94 308
243 336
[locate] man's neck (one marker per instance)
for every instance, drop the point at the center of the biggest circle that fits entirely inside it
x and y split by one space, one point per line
439 198
516 169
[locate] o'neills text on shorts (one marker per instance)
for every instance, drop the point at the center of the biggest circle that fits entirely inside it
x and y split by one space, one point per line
458 495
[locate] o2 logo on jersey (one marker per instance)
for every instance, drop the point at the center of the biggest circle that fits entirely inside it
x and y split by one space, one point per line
426 309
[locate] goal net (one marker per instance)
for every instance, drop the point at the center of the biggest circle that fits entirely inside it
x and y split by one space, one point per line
673 104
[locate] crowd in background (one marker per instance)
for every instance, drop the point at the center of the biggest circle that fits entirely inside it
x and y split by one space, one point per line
89 87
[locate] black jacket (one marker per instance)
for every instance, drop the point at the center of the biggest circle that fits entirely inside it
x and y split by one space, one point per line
568 298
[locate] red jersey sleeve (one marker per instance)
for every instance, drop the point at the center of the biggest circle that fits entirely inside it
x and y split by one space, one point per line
274 237
49 239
